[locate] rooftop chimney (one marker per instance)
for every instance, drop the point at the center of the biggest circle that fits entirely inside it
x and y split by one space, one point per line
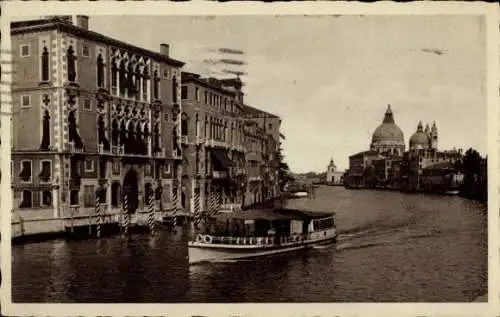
82 21
165 49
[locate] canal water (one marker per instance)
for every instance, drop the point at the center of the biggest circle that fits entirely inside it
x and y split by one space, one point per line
393 247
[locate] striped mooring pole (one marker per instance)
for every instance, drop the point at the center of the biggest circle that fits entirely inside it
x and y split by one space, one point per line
218 198
211 203
125 223
151 219
175 202
196 208
98 213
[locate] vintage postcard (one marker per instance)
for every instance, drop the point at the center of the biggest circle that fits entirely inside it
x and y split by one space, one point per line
245 159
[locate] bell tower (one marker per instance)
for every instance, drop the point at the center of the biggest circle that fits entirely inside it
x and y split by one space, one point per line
434 136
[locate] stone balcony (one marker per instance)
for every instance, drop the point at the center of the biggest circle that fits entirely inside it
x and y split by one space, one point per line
217 143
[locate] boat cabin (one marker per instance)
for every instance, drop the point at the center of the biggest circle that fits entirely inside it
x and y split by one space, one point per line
266 223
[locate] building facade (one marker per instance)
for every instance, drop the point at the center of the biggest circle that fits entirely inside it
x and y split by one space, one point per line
333 176
100 120
213 139
94 118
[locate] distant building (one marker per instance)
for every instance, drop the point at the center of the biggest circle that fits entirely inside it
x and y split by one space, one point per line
387 165
334 177
360 168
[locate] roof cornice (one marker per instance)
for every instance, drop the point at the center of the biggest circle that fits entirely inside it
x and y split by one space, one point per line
47 25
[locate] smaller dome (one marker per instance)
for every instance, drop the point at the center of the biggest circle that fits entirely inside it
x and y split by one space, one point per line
419 139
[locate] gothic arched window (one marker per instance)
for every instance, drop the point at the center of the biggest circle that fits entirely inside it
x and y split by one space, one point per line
114 132
197 125
100 71
174 89
45 64
138 75
156 85
145 83
130 80
123 133
114 69
123 77
156 138
184 124
45 131
71 59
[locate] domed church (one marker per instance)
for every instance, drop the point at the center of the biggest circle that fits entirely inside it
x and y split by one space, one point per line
424 139
388 138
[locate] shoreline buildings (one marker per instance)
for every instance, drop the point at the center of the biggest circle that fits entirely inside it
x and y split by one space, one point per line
388 165
99 120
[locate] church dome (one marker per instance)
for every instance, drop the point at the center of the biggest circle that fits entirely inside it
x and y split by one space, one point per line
419 139
388 130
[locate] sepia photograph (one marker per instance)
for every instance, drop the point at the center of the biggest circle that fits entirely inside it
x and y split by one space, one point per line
250 158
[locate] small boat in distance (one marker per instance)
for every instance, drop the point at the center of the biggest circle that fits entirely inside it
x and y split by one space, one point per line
255 233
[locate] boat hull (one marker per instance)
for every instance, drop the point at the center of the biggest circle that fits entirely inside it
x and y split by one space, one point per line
199 252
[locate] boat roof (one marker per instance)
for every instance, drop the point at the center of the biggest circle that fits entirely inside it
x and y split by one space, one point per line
273 214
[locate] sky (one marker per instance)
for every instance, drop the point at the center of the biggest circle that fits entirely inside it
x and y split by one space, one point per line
330 78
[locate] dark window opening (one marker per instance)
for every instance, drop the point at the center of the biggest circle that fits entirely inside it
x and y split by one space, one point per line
184 124
45 145
156 138
73 197
75 168
101 135
45 64
102 195
123 78
115 194
113 74
100 72
184 92
73 133
156 85
130 81
114 132
27 201
25 174
174 89
46 198
71 59
145 84
102 169
123 133
45 174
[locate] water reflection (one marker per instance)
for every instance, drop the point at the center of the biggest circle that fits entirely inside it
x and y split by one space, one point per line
393 247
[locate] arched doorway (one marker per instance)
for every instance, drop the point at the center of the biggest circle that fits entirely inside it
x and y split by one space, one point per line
130 189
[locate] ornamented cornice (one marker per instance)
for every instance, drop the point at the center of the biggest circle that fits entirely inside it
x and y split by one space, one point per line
50 24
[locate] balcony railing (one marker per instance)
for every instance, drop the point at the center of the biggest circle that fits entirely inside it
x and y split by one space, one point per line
101 150
219 174
177 155
217 143
231 207
73 148
117 149
160 153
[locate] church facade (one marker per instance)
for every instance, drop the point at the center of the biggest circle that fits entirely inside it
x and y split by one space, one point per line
388 165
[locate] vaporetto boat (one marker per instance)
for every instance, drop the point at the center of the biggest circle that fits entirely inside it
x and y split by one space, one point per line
255 233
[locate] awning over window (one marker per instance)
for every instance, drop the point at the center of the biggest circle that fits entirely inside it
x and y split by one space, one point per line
45 173
221 157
